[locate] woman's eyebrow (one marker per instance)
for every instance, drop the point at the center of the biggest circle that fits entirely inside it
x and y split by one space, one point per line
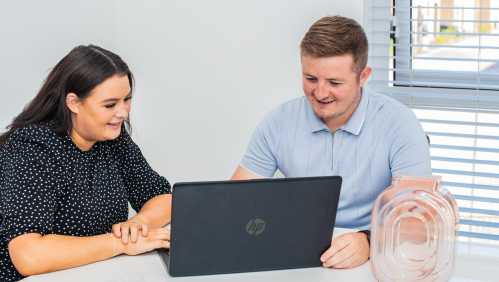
110 100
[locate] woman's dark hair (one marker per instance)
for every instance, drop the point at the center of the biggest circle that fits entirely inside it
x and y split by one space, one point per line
79 72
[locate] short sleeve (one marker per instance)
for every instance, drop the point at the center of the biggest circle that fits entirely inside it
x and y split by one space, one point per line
28 184
407 146
141 181
261 153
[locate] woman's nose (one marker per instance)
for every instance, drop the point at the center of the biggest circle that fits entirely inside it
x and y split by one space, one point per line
122 111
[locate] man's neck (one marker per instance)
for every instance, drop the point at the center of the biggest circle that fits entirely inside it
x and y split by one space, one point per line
334 123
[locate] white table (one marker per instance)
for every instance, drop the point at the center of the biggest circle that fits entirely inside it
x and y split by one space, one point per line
475 262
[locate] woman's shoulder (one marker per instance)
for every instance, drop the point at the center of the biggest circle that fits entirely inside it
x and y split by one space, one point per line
35 138
37 134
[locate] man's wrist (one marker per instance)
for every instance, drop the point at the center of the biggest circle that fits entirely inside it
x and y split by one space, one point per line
368 235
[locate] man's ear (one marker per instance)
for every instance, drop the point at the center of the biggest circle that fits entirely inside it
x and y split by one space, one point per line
72 102
364 75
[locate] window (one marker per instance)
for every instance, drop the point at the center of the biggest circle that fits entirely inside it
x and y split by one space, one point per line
441 59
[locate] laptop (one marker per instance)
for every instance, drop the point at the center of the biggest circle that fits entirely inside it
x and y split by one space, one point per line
251 225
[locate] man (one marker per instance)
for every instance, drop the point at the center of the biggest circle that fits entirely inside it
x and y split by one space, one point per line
339 128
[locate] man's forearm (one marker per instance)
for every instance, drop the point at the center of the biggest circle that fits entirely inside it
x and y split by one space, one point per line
156 212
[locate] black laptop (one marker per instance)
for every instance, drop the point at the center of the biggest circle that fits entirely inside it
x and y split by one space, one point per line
251 225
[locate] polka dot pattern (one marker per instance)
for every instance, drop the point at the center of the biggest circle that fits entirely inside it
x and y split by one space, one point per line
50 186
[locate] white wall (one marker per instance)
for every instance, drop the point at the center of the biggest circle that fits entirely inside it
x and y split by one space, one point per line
35 35
207 71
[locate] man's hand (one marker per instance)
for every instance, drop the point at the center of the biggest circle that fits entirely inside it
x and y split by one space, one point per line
347 251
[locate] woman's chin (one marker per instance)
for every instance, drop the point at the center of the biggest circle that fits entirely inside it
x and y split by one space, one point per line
112 135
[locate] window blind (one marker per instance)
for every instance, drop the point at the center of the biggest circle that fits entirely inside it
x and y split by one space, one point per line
441 59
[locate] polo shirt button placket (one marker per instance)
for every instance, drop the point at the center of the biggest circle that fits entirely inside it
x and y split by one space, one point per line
332 147
332 150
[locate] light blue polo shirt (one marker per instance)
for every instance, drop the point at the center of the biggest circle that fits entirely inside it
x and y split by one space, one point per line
381 139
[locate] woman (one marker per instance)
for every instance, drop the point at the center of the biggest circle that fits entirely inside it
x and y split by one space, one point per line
68 169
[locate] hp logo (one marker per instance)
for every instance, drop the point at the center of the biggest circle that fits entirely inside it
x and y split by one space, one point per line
255 226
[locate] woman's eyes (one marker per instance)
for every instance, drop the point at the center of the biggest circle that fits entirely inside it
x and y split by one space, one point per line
114 104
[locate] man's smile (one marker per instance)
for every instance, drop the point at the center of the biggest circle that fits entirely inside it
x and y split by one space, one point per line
325 103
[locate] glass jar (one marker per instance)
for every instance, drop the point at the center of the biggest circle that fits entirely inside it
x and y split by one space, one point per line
414 229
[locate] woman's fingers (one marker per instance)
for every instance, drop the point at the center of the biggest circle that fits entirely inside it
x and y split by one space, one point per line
145 230
165 244
156 238
159 234
133 232
124 230
117 230
129 231
165 235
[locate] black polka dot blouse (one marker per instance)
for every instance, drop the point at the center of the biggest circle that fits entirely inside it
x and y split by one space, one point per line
50 186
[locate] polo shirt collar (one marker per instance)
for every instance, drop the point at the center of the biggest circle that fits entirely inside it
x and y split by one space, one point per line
316 124
354 124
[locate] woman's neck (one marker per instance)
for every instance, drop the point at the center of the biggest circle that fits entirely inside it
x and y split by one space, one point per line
80 142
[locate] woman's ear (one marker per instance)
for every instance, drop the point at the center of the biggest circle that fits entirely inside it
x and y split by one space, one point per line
72 102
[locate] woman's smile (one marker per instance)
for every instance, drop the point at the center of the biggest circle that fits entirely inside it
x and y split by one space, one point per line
115 125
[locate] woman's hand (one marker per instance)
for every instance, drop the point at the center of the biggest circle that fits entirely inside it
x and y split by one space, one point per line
130 229
157 238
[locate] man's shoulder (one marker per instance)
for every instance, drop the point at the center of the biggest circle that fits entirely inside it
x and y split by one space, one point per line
385 101
294 102
292 106
384 105
392 114
286 109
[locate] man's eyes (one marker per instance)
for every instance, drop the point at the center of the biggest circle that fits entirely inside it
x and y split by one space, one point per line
313 79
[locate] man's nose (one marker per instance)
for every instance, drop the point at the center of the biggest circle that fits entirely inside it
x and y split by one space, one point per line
321 92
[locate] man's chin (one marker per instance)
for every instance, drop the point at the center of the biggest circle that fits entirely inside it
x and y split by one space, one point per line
324 115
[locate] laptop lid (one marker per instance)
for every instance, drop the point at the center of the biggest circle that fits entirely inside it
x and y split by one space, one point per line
251 225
